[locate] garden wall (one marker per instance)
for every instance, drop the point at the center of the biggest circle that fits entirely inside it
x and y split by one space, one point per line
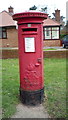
56 54
5 54
9 53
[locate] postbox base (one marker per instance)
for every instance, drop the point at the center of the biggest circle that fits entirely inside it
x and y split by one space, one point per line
32 97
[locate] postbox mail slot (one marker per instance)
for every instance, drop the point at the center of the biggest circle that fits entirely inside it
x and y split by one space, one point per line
29 30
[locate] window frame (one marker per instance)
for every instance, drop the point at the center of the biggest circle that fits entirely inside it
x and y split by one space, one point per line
3 30
51 32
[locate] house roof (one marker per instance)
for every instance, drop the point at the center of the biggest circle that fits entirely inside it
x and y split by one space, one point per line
50 22
6 19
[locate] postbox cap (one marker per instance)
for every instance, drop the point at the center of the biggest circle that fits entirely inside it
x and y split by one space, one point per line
32 14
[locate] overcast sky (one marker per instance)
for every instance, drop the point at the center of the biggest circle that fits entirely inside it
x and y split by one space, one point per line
24 5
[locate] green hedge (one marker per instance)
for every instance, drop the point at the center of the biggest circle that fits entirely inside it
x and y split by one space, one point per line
62 35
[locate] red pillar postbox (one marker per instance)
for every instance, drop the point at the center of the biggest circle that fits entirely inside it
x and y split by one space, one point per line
30 35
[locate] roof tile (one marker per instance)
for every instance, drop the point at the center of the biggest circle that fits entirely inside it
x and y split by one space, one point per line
6 19
50 22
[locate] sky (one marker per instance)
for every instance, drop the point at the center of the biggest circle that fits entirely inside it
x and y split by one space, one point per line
24 5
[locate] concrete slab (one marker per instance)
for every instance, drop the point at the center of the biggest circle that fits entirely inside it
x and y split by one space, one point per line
30 112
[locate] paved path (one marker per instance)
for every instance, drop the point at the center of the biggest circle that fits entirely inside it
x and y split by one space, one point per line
30 112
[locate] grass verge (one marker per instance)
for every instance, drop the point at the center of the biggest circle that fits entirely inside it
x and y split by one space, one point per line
55 87
49 49
54 81
10 86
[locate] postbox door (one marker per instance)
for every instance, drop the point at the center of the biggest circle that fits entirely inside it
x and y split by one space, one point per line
31 71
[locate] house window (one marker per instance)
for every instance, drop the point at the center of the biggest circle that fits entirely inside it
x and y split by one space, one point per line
55 32
51 33
3 33
47 31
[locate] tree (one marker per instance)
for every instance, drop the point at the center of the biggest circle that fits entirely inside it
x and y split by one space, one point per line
33 8
44 9
62 17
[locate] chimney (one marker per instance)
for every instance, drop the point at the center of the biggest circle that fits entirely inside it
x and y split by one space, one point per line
57 15
10 10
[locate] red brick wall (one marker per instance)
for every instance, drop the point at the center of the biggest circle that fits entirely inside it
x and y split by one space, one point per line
12 38
56 54
5 54
51 43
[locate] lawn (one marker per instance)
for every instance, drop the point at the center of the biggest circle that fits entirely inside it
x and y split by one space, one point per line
54 81
49 49
55 87
10 86
0 88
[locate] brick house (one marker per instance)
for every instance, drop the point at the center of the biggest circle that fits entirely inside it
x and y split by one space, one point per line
8 31
51 32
